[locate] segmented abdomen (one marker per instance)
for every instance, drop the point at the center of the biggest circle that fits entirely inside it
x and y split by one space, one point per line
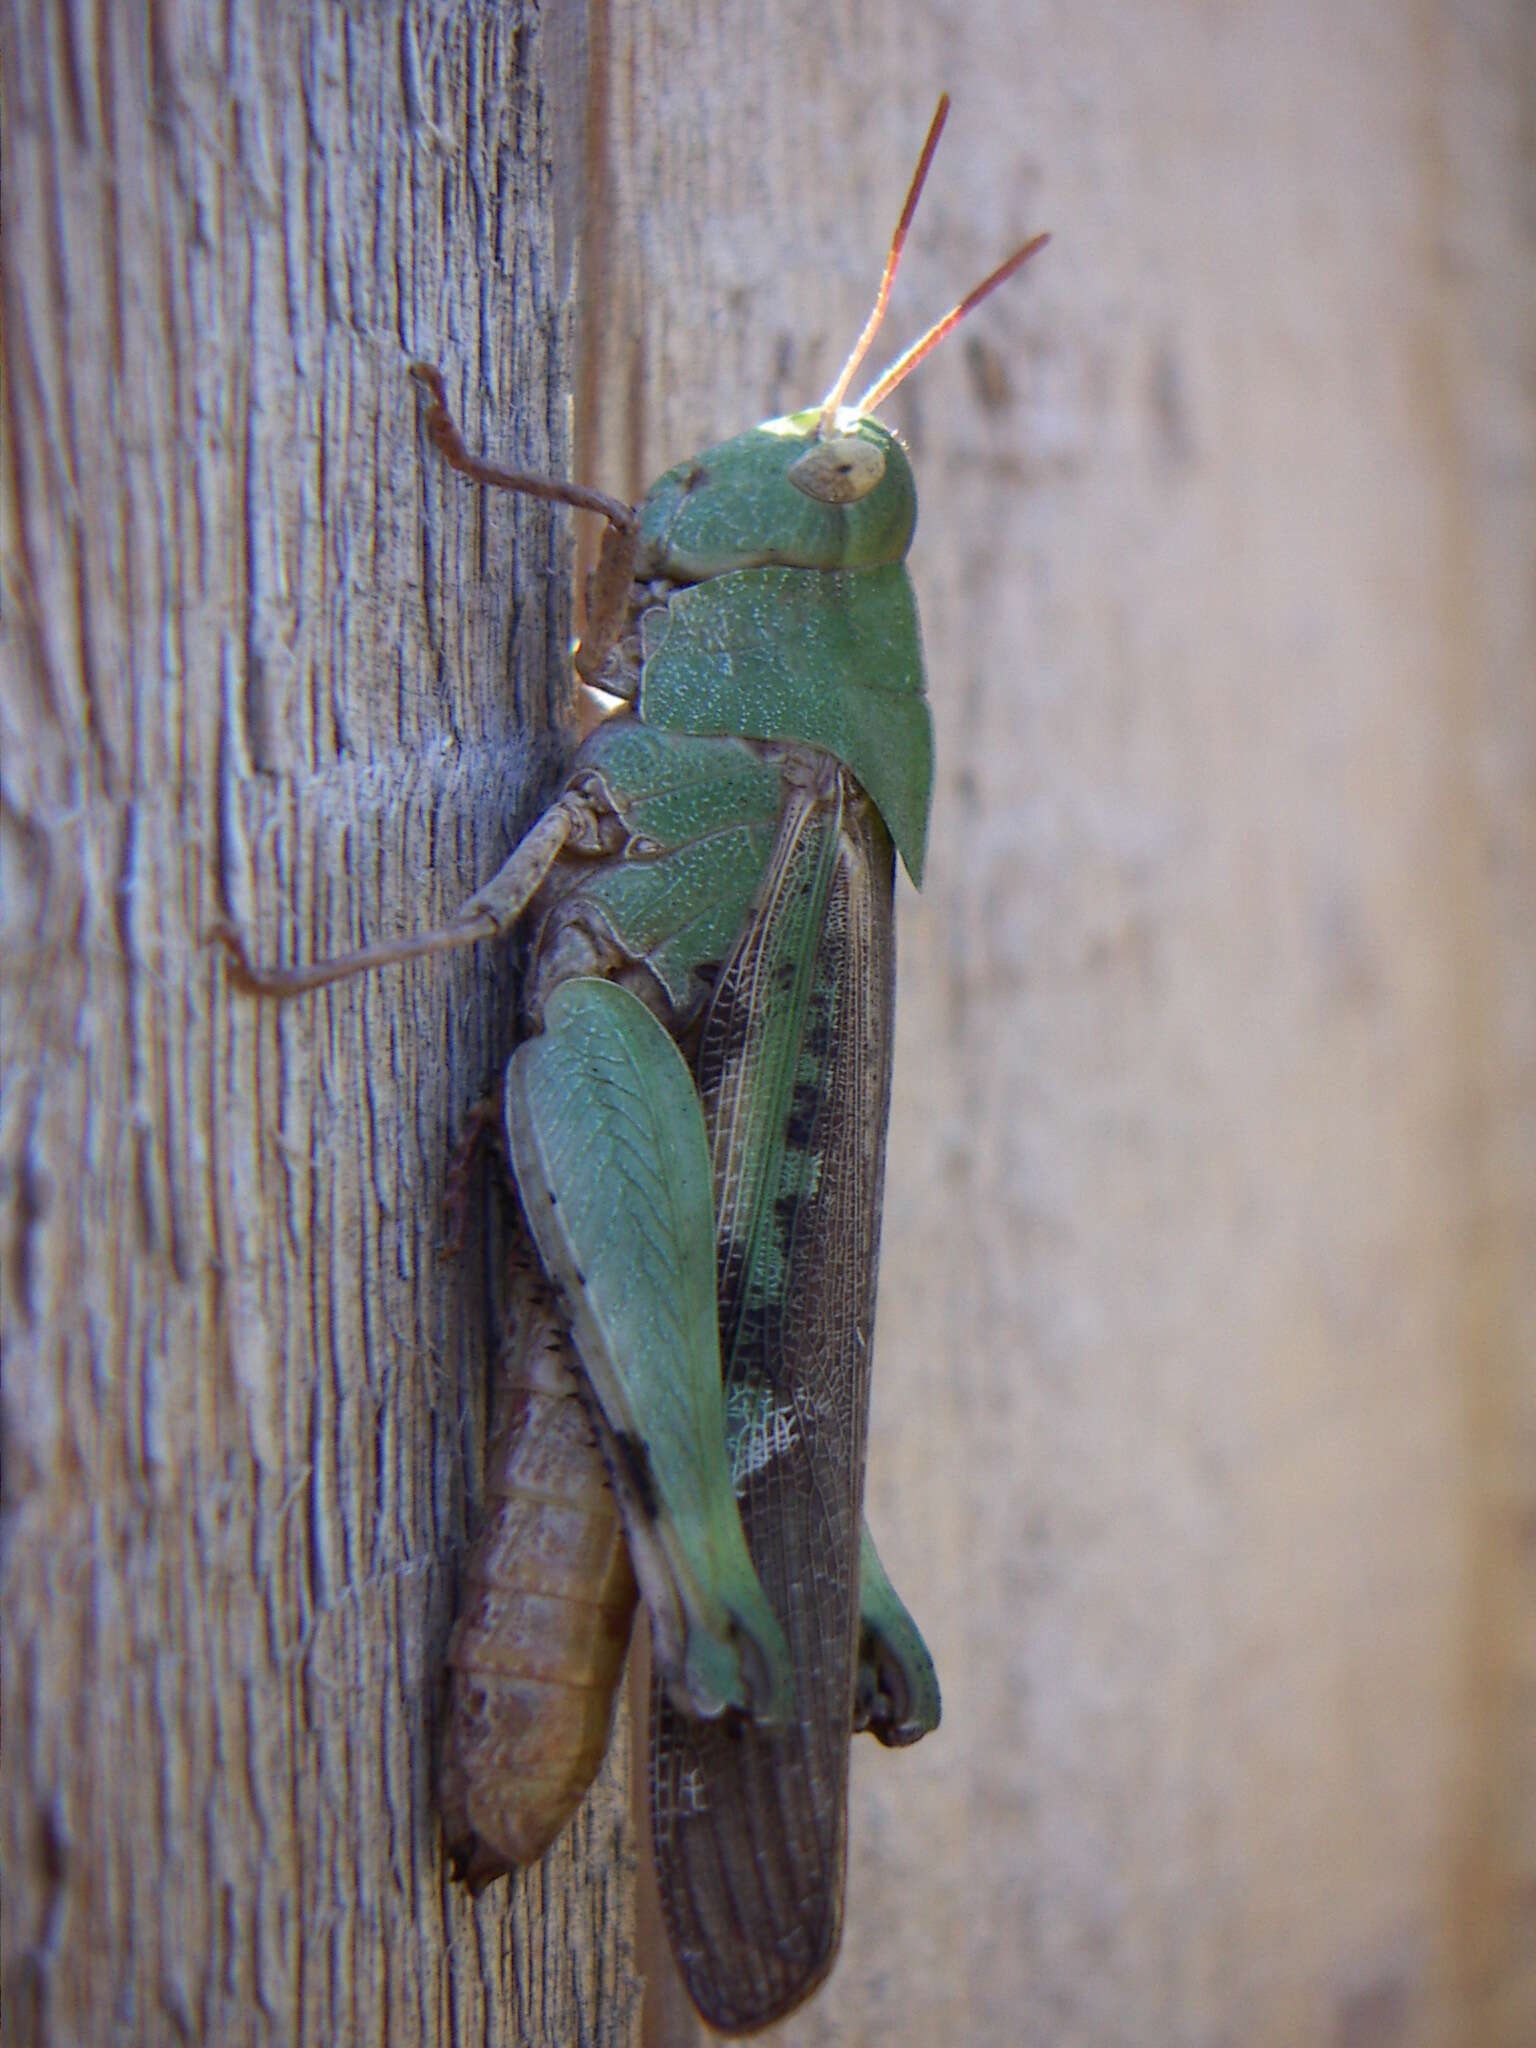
545 1611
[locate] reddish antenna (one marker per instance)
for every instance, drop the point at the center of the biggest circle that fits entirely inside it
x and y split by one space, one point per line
906 363
834 397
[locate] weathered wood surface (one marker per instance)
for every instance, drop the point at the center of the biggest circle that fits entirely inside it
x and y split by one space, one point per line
1206 1397
262 655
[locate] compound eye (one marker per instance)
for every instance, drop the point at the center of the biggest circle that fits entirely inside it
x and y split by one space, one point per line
839 469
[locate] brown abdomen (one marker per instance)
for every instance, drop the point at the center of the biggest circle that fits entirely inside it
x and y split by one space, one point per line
545 1611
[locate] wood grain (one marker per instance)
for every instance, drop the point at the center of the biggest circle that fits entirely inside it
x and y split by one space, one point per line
1205 1395
263 657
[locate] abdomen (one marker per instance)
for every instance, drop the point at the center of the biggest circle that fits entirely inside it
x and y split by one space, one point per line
545 1611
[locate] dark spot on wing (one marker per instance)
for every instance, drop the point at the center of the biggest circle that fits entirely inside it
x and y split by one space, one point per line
804 1107
696 478
818 1034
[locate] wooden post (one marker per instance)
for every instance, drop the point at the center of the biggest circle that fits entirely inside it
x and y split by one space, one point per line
263 657
1205 1385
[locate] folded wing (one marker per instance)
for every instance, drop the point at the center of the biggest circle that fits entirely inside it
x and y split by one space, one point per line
794 1071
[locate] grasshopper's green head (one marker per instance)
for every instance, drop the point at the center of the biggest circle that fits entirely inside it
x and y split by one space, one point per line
787 493
825 489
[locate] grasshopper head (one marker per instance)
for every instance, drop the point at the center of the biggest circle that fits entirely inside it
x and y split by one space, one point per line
824 489
784 493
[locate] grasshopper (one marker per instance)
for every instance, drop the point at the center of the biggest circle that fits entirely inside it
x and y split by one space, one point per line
696 1122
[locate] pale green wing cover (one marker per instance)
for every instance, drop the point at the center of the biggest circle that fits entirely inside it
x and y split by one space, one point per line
608 1144
831 658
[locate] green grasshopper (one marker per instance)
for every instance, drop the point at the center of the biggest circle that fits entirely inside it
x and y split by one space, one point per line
696 1123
